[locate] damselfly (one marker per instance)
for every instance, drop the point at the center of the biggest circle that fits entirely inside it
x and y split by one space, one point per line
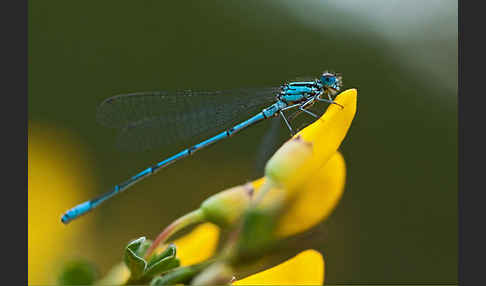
171 116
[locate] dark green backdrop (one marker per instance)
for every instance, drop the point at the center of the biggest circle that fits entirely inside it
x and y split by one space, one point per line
397 220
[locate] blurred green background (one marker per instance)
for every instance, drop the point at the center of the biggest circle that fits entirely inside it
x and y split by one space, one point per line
397 220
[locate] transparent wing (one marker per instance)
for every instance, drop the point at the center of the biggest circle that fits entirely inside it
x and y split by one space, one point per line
269 144
302 78
152 119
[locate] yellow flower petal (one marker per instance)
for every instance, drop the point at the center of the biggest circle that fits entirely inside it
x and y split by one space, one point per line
306 268
58 177
198 245
317 198
289 167
329 131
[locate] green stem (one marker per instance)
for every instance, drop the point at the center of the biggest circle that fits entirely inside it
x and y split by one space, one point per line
180 223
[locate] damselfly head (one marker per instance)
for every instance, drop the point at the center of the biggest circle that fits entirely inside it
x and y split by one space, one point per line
331 82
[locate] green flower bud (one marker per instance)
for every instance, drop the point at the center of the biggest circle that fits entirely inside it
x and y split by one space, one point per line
288 166
225 208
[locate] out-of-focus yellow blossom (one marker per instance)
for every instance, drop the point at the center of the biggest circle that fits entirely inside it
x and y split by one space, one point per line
302 156
306 268
198 245
58 176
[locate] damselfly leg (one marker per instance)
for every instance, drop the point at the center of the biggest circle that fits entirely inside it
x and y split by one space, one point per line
329 101
292 133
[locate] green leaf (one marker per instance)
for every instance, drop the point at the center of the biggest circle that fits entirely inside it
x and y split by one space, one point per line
170 251
143 271
163 262
77 272
133 260
135 244
162 266
144 246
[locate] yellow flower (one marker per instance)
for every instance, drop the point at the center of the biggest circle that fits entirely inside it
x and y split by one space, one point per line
306 268
58 176
307 171
302 156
